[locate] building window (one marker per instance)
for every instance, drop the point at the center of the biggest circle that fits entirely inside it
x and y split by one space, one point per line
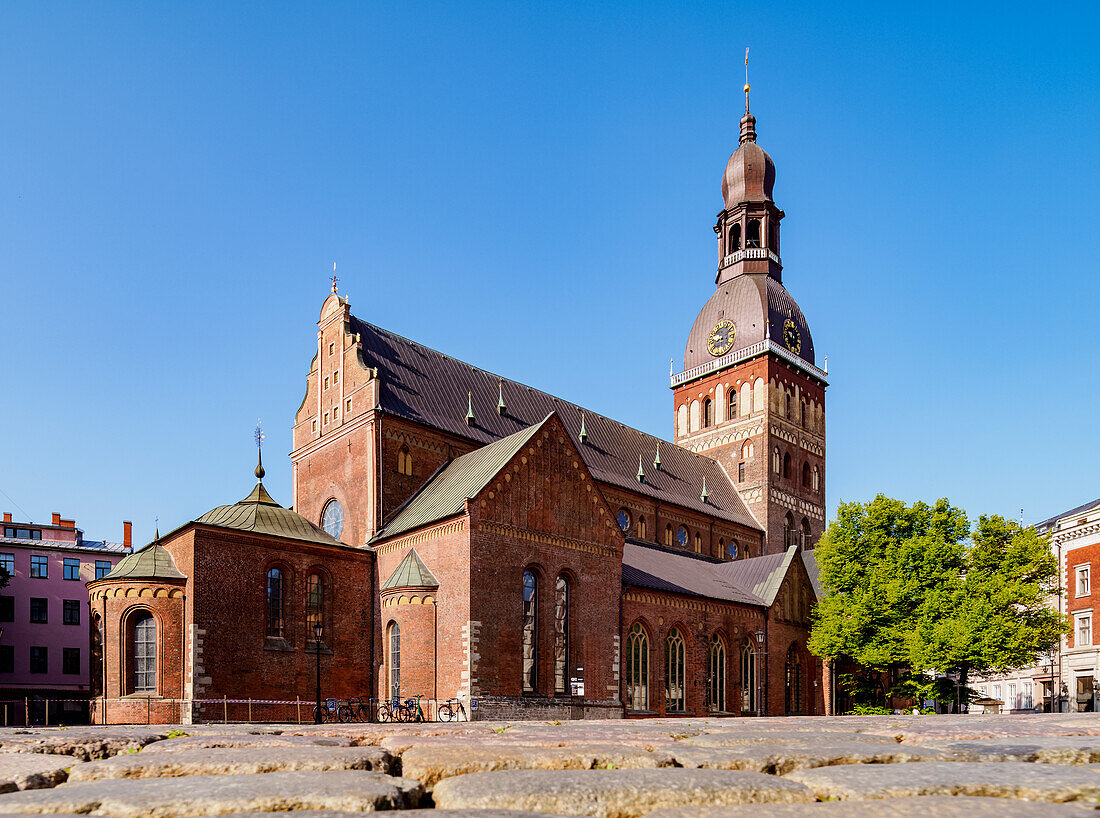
675 694
786 465
39 659
1083 580
668 534
315 603
404 461
731 407
315 425
816 480
7 608
561 636
748 677
326 418
7 659
530 632
777 461
7 562
752 233
682 537
70 661
698 543
805 475
395 660
733 550
145 653
347 406
71 569
326 387
39 568
716 678
1083 636
735 239
748 450
641 528
803 413
331 347
708 412
102 568
637 668
788 404
741 472
792 687
332 518
276 623
70 611
336 377
335 412
39 610
623 519
805 533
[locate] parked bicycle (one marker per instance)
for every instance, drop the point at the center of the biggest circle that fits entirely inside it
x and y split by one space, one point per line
332 710
451 709
398 710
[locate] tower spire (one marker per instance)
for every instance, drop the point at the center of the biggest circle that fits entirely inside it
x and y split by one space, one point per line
748 121
259 436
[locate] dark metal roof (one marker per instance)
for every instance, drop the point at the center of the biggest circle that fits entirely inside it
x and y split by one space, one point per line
445 494
151 562
761 575
662 569
260 514
428 387
1052 520
411 573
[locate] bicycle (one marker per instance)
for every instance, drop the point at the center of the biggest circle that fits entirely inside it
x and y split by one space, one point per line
410 710
451 709
332 710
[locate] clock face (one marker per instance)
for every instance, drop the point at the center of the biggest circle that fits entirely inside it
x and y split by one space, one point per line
720 340
790 336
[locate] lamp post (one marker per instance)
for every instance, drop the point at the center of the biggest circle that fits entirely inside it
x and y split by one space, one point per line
318 629
760 642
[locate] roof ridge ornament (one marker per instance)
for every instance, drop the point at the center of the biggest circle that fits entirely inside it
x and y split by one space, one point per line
258 435
657 459
334 279
469 408
501 408
704 496
641 472
584 432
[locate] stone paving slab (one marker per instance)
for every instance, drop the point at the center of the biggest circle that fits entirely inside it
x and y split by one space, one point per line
32 771
782 758
1045 749
234 761
406 813
1006 779
84 743
221 794
806 738
927 806
430 764
244 740
612 793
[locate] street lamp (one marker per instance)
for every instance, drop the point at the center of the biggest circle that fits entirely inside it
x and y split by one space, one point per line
759 641
318 629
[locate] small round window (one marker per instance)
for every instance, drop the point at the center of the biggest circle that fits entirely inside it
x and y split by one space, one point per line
332 518
682 536
623 518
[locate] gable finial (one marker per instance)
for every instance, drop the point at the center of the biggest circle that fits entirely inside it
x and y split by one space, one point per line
258 435
156 523
501 408
657 459
703 496
641 472
671 367
584 432
469 408
334 279
746 80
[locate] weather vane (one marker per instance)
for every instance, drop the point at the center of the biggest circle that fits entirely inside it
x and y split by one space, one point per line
258 435
334 278
746 78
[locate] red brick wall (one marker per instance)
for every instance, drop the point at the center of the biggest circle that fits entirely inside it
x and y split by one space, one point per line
1086 555
414 612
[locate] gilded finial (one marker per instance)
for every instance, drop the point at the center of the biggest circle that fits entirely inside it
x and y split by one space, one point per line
334 278
469 408
258 435
501 408
584 432
748 121
657 459
641 471
746 79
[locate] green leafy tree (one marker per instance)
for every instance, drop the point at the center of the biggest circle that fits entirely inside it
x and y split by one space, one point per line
910 587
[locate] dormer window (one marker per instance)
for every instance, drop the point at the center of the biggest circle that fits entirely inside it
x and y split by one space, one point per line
752 234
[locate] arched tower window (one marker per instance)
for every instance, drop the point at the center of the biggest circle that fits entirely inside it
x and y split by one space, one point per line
276 604
774 242
708 413
682 420
315 604
561 636
816 479
758 400
748 677
332 518
145 653
746 398
720 402
637 668
788 404
694 414
734 243
530 632
805 532
404 461
675 694
752 234
786 465
716 676
747 450
731 407
395 660
803 416
805 475
792 688
777 461
789 534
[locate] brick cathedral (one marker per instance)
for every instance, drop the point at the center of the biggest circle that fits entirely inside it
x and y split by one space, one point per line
459 534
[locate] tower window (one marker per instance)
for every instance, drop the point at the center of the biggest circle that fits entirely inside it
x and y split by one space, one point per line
777 461
805 475
803 413
331 347
747 450
708 413
775 238
735 239
752 234
530 632
698 543
741 472
788 404
816 479
731 407
787 466
336 377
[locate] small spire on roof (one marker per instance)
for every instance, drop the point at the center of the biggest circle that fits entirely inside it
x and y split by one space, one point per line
703 496
584 432
469 408
156 524
641 472
501 408
748 121
671 367
259 437
334 278
657 459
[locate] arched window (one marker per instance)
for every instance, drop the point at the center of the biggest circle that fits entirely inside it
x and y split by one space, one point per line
404 461
641 528
682 420
315 604
637 668
276 604
395 660
562 669
788 404
731 407
698 543
805 532
741 472
777 461
789 534
752 234
816 479
803 413
682 536
675 694
716 677
805 475
747 451
721 546
787 466
708 413
332 518
746 398
720 402
733 549
530 632
748 677
695 419
734 243
668 534
792 688
145 653
759 401
774 237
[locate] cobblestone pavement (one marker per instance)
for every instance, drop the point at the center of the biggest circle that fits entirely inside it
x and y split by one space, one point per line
875 766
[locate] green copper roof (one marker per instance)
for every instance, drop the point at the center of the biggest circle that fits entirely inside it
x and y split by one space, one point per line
151 562
411 573
446 494
259 514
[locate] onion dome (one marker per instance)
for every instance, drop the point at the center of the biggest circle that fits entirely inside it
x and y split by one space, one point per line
750 172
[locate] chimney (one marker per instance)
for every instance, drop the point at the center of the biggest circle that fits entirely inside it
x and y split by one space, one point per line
7 516
127 536
57 518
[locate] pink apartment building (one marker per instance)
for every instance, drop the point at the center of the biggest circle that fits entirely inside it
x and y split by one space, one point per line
46 652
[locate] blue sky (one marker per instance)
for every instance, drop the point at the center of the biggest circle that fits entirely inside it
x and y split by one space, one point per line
531 187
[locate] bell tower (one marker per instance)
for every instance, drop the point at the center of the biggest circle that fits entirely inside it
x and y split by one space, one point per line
750 394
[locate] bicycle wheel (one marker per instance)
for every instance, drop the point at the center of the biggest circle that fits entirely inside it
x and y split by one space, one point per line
444 712
344 713
384 713
319 711
362 713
